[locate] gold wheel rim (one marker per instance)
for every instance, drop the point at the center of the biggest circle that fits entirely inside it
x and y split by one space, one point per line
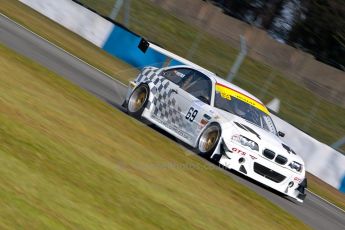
209 139
137 100
140 100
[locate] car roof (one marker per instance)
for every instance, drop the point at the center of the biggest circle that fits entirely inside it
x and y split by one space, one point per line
219 80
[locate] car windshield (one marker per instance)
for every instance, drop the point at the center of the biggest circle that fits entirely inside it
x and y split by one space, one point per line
241 105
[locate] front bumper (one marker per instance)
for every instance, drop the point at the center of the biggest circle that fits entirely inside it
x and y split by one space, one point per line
269 173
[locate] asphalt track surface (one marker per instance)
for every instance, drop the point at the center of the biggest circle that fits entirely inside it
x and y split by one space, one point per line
314 212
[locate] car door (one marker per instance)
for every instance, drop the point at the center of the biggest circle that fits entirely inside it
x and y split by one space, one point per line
166 109
193 98
180 105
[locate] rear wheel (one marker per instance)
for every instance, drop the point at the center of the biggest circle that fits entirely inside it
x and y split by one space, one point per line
208 140
138 100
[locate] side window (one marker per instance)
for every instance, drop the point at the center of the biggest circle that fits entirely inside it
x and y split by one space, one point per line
176 75
198 85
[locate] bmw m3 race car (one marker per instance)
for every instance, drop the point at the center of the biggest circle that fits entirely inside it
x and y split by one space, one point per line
221 121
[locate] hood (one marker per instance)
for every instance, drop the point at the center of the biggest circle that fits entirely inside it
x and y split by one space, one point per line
265 139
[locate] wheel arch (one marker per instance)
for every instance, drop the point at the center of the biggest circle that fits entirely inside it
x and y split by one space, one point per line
203 129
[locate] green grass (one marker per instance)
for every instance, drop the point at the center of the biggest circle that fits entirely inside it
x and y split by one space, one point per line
122 71
71 161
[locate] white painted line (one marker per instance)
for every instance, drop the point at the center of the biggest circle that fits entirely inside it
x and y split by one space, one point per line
326 201
23 27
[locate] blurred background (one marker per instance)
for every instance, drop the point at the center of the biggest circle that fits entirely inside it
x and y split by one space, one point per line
295 50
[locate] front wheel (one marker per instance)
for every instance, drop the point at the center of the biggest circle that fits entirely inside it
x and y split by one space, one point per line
138 100
208 140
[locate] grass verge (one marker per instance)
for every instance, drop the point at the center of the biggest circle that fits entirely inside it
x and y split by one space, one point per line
327 192
72 161
123 72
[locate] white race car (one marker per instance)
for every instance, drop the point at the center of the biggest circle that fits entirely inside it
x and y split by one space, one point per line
221 121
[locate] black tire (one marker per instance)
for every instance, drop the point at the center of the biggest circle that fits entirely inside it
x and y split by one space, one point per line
137 101
208 140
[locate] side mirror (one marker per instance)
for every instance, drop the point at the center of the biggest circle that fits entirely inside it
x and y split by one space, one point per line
281 134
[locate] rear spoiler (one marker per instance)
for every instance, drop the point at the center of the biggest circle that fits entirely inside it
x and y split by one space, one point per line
171 58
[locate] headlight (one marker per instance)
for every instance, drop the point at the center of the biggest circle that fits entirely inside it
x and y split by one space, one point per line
245 142
296 166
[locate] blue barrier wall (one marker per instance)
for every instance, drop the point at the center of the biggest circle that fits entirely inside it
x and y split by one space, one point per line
174 62
124 45
342 185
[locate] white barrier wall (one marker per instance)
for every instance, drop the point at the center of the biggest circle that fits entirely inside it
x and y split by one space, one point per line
74 17
321 160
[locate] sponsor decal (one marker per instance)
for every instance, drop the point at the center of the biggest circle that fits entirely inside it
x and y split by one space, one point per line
253 158
228 93
198 103
202 123
172 127
208 117
297 179
239 151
